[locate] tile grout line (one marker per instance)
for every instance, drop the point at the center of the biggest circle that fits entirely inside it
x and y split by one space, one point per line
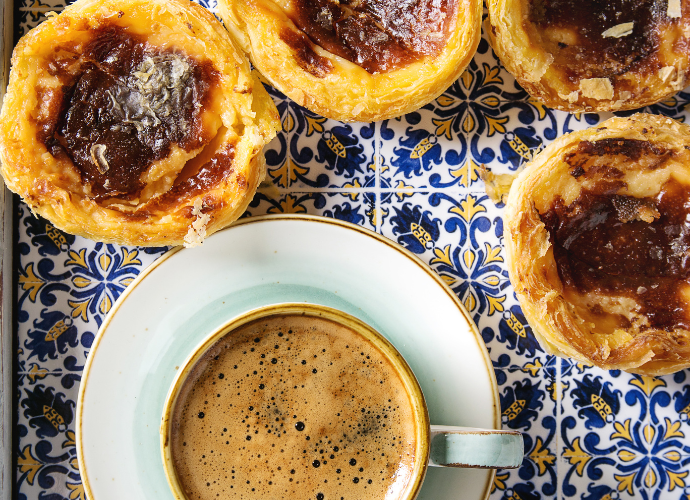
41 10
378 210
650 453
422 190
288 158
559 418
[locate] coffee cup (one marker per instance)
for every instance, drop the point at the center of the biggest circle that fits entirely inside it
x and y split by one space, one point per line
302 400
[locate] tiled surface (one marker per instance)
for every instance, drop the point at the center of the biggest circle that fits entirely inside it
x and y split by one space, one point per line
589 434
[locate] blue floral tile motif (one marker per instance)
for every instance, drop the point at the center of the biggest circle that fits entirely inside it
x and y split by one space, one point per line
33 12
53 334
599 479
468 257
571 122
276 152
419 151
414 229
674 402
321 150
99 277
526 406
505 490
527 127
49 472
622 431
474 269
38 285
511 334
422 150
65 287
357 207
46 411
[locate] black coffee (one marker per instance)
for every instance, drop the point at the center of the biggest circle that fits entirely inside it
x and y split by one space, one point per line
293 407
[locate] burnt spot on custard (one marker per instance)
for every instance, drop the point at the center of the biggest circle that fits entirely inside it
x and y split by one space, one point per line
572 31
619 245
378 35
305 55
587 157
189 184
122 106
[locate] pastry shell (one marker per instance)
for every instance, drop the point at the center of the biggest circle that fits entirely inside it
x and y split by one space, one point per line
561 323
530 54
346 91
177 205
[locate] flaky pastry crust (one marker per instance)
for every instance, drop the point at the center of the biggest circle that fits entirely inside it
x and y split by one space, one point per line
188 187
335 87
603 57
629 160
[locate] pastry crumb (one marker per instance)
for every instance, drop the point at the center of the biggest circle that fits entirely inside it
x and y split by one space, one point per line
673 10
197 230
619 30
497 186
596 88
572 97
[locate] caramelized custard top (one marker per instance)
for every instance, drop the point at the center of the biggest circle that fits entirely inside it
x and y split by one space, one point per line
573 31
621 245
378 35
124 108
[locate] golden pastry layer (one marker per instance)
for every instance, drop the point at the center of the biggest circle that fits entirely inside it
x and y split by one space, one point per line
587 55
134 122
357 60
597 237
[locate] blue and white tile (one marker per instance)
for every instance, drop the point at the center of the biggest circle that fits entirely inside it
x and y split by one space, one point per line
511 134
46 417
357 206
522 484
277 160
510 340
671 402
458 238
572 122
614 428
425 148
39 476
605 413
44 246
33 12
587 477
409 219
492 77
52 338
527 406
324 153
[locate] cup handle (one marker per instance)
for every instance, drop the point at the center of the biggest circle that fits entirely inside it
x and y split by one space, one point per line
477 448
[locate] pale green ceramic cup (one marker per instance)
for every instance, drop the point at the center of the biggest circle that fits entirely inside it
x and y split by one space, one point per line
436 445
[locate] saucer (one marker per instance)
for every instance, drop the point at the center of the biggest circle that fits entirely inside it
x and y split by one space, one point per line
188 293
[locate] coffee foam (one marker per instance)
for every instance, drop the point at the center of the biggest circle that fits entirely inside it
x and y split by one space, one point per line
293 407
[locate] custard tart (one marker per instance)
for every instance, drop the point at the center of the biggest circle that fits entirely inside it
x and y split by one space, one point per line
589 55
134 122
357 60
597 238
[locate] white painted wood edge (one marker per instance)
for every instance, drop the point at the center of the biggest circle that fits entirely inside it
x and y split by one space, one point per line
6 285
